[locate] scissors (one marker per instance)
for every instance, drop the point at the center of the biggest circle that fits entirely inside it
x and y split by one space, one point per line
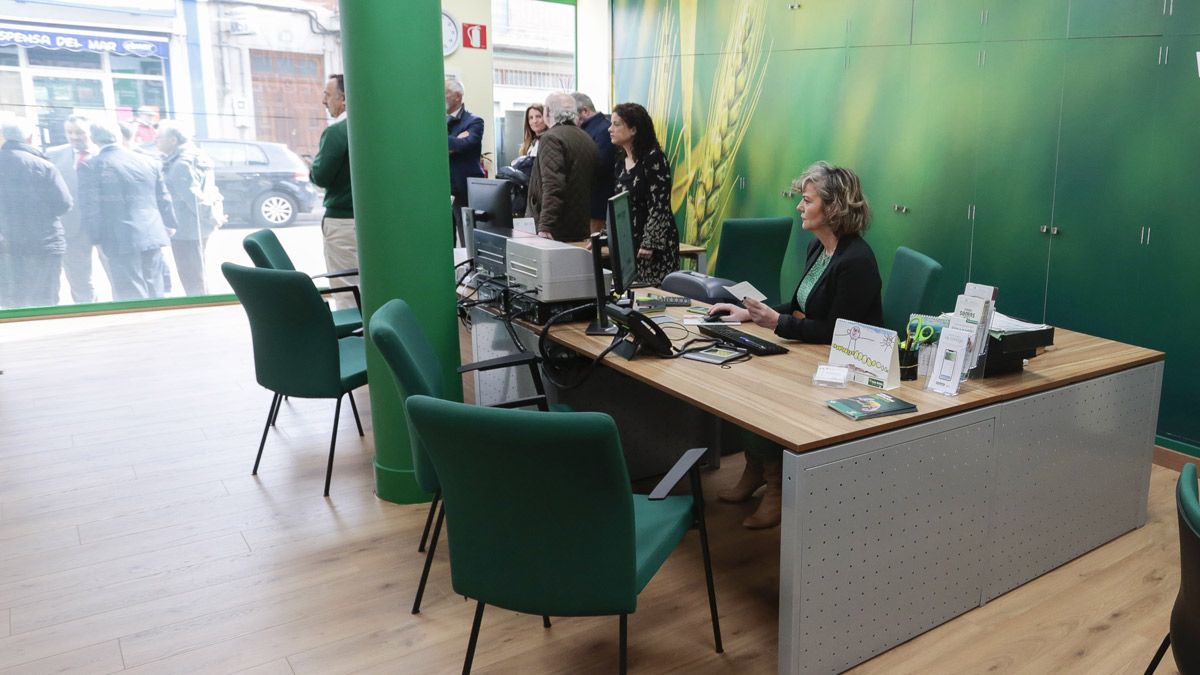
920 332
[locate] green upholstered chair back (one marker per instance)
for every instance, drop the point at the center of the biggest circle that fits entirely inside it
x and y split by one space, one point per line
295 346
539 507
264 249
791 269
415 368
752 249
910 288
1185 617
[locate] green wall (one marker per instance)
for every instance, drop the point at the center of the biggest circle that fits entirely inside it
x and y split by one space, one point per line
974 124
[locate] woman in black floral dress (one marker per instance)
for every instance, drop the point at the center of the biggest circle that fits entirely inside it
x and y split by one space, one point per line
642 170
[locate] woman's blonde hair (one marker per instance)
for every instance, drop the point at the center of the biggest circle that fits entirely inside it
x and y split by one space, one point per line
846 207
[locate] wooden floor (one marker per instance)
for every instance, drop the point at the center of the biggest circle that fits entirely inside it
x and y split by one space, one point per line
132 538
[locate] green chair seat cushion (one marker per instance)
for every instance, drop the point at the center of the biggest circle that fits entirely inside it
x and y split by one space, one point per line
658 528
346 321
561 407
353 353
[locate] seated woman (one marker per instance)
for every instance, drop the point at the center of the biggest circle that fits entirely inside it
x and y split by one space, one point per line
841 281
641 169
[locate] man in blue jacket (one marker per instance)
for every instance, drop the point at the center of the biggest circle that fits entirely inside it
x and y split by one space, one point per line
33 196
127 211
596 125
465 135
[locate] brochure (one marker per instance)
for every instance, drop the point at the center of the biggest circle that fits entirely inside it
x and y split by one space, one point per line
716 355
871 405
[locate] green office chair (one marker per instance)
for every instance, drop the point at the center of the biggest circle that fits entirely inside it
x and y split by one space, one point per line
296 349
910 288
266 252
417 370
544 519
791 268
752 249
1184 636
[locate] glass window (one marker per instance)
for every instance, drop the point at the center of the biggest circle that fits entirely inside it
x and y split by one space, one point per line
135 65
61 58
58 97
9 56
224 154
12 98
136 94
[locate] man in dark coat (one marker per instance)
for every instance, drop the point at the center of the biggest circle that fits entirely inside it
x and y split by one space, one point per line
32 197
77 262
465 136
596 125
198 206
127 212
560 189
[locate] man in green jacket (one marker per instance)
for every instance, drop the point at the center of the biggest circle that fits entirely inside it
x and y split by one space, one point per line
331 170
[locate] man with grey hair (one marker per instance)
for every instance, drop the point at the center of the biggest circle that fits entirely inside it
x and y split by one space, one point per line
126 210
596 125
465 135
560 188
77 262
32 198
199 207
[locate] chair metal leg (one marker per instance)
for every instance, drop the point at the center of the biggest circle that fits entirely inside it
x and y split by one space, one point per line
698 510
474 638
437 495
275 412
332 444
624 664
545 621
1162 650
437 529
355 409
266 428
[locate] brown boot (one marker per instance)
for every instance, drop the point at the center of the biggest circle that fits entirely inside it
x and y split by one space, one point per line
770 510
751 480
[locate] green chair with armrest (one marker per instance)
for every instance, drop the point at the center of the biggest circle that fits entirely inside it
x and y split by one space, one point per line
266 252
416 370
297 352
752 249
544 518
910 288
1184 635
795 257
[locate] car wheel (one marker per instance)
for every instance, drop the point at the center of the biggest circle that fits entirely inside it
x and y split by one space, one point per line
274 209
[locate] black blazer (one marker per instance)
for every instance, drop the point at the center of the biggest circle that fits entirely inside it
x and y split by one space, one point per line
464 152
849 289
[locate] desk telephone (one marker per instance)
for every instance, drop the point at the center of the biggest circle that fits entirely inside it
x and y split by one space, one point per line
647 335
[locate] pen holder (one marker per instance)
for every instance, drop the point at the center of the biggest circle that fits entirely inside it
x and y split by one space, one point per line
908 364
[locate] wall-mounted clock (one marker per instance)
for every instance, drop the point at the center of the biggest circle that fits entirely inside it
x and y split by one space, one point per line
451 35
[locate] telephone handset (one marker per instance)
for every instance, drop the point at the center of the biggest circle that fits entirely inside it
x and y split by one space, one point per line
646 334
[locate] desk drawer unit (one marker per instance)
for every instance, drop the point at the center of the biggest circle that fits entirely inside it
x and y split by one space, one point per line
891 535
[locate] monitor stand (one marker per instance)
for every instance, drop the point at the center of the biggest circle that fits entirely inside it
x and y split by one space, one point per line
600 325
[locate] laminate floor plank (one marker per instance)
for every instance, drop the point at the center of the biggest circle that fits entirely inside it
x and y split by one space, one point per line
132 536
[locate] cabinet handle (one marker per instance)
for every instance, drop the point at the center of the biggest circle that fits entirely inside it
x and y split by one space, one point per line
1044 229
1054 231
986 14
1148 234
972 212
1142 236
1167 55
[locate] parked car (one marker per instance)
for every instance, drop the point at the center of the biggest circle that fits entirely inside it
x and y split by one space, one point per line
264 184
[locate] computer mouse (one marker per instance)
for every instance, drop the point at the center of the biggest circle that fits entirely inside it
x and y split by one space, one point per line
716 314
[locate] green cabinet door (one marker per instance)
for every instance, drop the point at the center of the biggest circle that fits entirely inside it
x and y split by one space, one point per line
1025 20
1168 318
938 159
1106 169
813 24
874 23
1183 18
870 136
1105 18
939 21
1021 96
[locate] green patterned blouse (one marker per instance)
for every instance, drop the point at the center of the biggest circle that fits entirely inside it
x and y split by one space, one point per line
810 280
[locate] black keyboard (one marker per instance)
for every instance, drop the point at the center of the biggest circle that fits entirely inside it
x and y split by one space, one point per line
755 345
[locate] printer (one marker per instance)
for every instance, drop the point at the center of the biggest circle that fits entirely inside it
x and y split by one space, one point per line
552 271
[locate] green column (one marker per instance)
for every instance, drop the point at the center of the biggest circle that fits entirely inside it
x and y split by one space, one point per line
399 168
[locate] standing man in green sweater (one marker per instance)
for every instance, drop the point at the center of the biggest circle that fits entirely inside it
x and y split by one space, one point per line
331 170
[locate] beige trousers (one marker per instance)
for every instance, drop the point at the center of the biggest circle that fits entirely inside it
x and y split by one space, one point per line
341 253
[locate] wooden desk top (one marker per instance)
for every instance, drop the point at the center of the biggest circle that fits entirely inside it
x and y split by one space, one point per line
774 397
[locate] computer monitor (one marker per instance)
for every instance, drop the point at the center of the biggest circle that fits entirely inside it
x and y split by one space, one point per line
491 200
622 252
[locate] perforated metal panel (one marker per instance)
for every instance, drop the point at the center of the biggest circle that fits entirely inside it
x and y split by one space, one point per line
886 537
891 542
1072 473
489 340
